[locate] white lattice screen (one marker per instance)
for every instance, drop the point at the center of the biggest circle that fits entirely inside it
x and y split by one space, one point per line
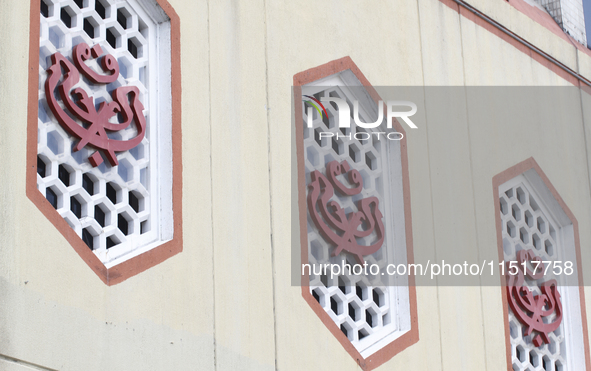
119 211
369 313
530 222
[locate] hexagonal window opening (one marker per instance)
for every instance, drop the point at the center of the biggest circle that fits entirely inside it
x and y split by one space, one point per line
354 153
88 238
100 6
42 169
81 3
511 229
91 27
336 305
504 206
521 196
524 235
65 174
76 206
113 37
540 230
55 142
124 224
95 200
124 18
135 47
371 160
44 8
371 317
100 215
68 17
53 196
357 295
88 183
541 225
516 212
112 241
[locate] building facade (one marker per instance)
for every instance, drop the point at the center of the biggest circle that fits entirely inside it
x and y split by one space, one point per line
152 188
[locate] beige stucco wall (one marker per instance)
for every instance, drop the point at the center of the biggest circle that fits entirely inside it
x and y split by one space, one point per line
225 302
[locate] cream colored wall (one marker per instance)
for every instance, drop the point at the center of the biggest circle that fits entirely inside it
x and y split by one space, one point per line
225 302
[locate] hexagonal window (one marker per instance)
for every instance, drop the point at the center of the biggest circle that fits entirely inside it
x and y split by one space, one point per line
68 16
362 334
88 238
123 224
108 196
364 178
552 231
520 353
529 219
44 9
553 348
504 206
136 201
76 206
124 18
371 160
55 142
361 291
378 297
53 197
542 236
144 226
42 168
113 37
91 27
100 215
541 225
126 67
88 183
558 365
112 193
316 293
346 329
371 317
516 212
549 247
514 330
135 48
354 153
101 8
353 312
524 235
336 305
64 174
337 146
319 137
511 230
537 241
81 3
521 196
112 241
534 358
547 364
125 170
313 157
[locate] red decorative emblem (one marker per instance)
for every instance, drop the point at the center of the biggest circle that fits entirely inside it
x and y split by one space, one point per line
529 309
340 229
94 123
